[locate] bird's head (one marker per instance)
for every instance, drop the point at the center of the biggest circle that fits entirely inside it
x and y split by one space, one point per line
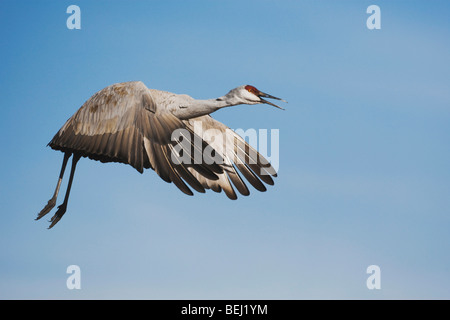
248 94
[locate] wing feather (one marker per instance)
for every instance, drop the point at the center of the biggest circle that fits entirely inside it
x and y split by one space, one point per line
237 155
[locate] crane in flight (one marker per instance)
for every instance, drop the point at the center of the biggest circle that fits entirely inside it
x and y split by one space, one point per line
132 124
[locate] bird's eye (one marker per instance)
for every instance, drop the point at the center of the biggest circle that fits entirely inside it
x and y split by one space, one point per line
252 89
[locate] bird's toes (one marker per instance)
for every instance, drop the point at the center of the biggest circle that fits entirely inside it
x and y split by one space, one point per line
58 215
49 206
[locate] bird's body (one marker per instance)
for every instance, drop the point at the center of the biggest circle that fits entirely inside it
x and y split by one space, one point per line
131 124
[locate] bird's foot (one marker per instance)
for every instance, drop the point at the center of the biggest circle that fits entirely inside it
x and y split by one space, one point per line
49 206
58 215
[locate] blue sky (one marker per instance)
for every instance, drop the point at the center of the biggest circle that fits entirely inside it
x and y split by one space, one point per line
364 174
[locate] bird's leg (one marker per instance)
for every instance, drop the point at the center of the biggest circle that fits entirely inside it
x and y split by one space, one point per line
52 202
62 208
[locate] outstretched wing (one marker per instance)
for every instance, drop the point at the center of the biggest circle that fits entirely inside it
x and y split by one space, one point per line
235 152
121 123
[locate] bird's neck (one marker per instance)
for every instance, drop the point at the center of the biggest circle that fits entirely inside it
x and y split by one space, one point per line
197 108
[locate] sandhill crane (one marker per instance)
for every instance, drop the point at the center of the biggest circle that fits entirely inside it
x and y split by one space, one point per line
131 124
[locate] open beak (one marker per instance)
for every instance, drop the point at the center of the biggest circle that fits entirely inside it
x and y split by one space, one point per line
262 95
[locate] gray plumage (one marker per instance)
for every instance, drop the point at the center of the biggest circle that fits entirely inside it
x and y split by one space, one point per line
129 123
